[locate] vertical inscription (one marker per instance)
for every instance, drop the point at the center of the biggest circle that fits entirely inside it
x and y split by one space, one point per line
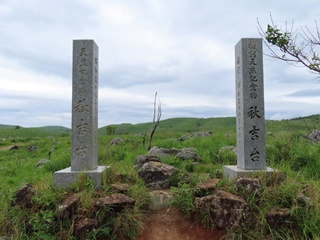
84 105
250 104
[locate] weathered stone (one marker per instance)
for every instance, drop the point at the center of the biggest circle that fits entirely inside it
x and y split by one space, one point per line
201 134
156 171
228 211
81 226
206 188
248 185
277 216
15 147
115 202
32 148
314 136
158 185
116 141
120 187
68 206
228 148
42 162
188 153
160 199
183 138
162 152
142 159
23 196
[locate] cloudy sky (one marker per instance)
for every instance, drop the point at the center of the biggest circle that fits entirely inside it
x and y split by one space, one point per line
182 49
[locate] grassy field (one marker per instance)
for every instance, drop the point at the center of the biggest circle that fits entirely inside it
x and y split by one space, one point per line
287 150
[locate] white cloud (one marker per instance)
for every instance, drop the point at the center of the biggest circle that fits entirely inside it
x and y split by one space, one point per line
183 49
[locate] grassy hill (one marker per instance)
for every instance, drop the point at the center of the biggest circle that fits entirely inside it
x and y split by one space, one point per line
173 125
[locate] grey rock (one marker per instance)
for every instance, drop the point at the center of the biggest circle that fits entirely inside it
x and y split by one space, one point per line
188 153
142 159
227 210
228 148
115 202
201 134
162 152
32 148
116 141
248 185
156 171
42 162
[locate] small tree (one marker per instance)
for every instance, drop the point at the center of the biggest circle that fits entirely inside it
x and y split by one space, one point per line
297 46
156 119
111 129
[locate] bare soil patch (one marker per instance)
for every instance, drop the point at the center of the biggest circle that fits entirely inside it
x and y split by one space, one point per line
170 224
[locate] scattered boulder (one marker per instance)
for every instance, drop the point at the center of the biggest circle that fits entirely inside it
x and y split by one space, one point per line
120 187
162 152
42 162
228 148
23 196
227 210
183 138
142 159
115 202
314 136
68 206
248 185
153 172
14 147
188 153
201 134
206 188
115 141
277 216
82 226
160 198
183 154
32 148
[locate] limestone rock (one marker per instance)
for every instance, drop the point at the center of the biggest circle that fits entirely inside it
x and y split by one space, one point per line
160 198
201 134
115 141
142 159
15 147
162 152
68 206
23 196
120 187
277 216
228 148
82 226
156 171
227 210
206 188
115 202
248 185
188 153
32 148
42 162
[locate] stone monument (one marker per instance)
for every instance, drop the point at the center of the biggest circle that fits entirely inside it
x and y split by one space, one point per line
251 151
84 156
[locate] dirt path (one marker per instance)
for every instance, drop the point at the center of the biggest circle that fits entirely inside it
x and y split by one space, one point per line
170 224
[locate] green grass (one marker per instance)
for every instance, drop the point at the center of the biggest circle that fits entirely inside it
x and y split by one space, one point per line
286 149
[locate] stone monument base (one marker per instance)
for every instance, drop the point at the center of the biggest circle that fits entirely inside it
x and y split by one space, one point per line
66 177
233 172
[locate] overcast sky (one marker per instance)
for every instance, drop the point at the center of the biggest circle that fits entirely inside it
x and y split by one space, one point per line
182 49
